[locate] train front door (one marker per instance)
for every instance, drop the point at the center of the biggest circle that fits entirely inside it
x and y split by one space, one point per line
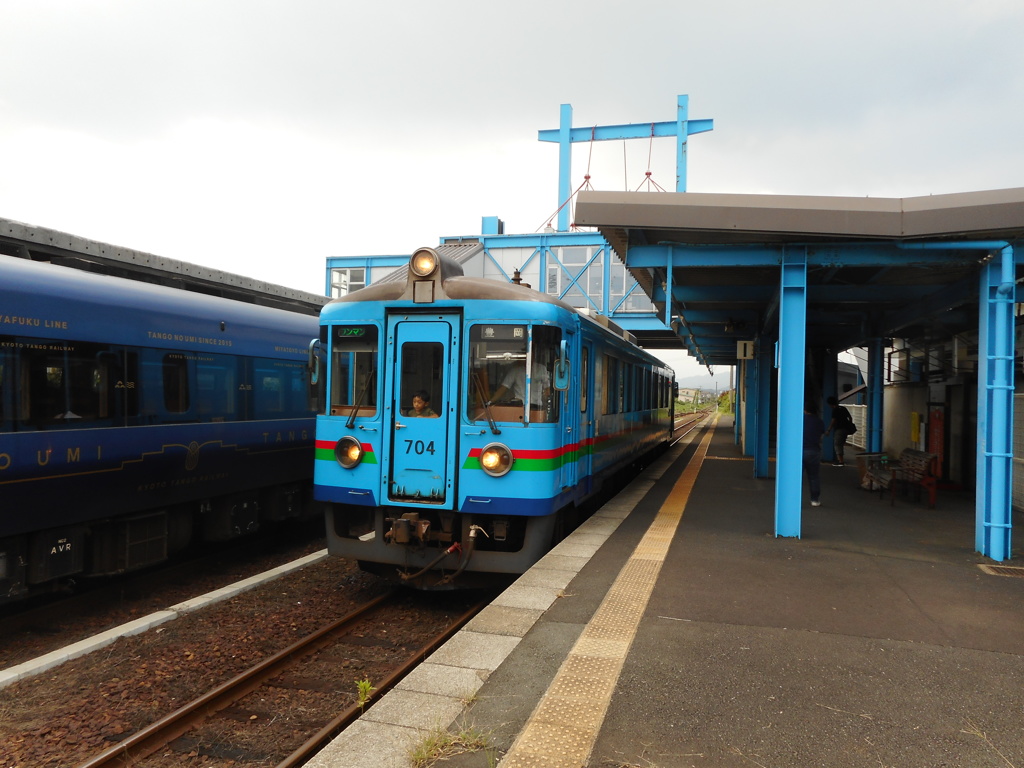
420 411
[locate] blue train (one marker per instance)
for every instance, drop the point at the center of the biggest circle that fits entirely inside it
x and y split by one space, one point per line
136 418
532 405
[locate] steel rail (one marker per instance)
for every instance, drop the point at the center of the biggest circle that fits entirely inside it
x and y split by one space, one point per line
347 717
151 738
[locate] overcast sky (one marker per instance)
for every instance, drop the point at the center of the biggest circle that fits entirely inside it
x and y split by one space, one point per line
261 136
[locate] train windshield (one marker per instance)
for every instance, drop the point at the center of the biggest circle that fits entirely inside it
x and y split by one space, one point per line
354 383
498 373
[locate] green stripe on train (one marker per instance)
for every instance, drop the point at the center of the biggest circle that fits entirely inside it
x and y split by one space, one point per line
327 454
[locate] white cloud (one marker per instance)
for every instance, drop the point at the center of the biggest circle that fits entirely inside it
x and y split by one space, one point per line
262 136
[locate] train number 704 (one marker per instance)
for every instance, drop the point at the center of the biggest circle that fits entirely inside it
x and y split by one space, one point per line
419 447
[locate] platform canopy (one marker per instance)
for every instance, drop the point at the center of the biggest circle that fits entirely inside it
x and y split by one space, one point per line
876 267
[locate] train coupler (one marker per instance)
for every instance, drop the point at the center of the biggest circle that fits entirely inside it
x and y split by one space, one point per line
408 529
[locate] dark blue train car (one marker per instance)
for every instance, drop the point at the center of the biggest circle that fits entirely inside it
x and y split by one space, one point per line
136 418
536 406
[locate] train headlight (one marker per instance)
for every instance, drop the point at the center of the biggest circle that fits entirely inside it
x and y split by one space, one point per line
496 459
424 262
348 452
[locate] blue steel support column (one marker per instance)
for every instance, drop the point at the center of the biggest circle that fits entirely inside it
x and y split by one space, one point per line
734 381
606 283
668 285
750 392
995 406
564 165
791 360
682 132
876 363
763 407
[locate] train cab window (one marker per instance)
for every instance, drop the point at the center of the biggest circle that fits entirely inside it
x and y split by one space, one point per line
498 384
353 381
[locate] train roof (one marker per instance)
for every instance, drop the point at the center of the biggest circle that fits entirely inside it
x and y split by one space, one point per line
34 243
53 301
450 284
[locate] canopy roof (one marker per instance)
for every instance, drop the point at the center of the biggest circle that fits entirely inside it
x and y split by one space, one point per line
905 267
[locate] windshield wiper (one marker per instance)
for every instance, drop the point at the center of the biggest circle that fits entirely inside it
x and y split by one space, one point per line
359 401
486 402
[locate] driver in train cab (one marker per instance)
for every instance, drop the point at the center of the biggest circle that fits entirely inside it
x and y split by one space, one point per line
421 405
513 386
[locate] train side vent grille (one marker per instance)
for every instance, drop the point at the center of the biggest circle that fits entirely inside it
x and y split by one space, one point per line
1003 570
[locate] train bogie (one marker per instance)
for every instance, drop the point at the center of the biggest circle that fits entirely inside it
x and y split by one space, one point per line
532 406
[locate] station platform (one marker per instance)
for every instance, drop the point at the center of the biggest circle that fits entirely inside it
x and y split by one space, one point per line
674 629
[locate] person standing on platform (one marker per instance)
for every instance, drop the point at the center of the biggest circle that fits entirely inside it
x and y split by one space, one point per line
841 427
814 427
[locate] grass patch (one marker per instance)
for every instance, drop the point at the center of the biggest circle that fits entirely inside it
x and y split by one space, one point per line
440 744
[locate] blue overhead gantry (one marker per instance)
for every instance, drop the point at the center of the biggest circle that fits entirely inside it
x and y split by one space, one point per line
565 136
784 284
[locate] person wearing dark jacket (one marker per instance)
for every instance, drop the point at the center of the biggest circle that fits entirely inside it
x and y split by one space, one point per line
841 428
813 429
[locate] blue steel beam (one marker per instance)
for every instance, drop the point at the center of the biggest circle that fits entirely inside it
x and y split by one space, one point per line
760 255
831 294
722 316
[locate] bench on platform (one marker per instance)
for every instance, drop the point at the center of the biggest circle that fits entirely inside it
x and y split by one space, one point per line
915 469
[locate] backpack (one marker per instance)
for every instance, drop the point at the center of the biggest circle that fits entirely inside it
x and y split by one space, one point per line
850 428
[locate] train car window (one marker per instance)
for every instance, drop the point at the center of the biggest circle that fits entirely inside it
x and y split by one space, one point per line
5 393
611 385
127 385
66 384
621 396
544 401
177 398
279 390
217 388
354 384
584 378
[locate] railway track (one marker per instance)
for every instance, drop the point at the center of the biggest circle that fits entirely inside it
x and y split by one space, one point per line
686 422
240 702
30 629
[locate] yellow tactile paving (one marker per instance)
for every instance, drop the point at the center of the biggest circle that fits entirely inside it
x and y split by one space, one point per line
564 726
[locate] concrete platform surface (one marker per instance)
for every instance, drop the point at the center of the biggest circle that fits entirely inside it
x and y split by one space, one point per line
873 640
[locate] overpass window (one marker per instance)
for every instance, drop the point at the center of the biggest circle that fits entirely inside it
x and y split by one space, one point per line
346 280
